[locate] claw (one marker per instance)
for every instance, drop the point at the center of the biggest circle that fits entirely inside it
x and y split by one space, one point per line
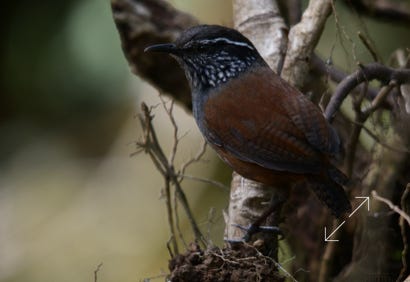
253 229
234 241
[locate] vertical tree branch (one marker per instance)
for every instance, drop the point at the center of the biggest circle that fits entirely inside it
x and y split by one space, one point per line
303 38
261 22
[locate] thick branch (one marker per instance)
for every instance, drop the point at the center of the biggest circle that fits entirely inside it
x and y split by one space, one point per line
337 75
389 10
262 23
303 38
146 22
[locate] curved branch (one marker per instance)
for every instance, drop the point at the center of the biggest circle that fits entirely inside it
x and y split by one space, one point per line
365 73
145 22
382 9
335 74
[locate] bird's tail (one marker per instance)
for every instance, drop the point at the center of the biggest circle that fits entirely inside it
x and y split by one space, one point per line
328 188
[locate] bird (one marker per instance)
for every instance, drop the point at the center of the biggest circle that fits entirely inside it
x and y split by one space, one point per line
261 126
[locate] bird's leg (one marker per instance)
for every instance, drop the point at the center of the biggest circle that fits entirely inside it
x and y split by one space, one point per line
275 205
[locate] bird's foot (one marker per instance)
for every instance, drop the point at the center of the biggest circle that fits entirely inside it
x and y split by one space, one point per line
252 229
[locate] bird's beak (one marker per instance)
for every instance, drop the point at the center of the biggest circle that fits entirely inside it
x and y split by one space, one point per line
169 48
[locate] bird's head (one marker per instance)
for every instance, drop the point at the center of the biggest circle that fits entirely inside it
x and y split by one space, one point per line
211 55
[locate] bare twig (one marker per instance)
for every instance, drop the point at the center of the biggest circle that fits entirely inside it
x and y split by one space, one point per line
204 180
366 42
96 271
278 265
170 215
195 159
337 75
366 73
355 133
392 206
210 222
151 146
170 114
327 257
404 233
381 142
342 31
360 118
182 198
177 225
171 159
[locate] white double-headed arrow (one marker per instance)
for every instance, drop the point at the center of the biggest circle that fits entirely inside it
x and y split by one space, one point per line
366 199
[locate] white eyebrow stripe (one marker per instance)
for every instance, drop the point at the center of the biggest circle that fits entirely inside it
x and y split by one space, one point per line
226 40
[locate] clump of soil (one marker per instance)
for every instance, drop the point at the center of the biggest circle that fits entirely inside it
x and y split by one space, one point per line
240 262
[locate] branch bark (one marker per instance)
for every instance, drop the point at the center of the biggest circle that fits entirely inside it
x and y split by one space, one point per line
303 38
141 23
261 22
365 73
392 11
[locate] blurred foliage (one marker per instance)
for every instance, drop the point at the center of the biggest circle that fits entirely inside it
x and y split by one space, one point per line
61 69
70 195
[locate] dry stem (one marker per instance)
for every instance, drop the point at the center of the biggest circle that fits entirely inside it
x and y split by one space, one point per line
165 166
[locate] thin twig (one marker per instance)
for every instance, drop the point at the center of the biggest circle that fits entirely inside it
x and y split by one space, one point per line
392 206
379 141
96 271
341 30
177 225
210 222
195 159
327 257
182 198
355 133
360 118
337 75
366 42
278 265
404 231
151 145
169 111
205 180
172 240
384 91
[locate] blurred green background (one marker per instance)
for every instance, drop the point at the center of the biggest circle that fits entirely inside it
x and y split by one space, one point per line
71 197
